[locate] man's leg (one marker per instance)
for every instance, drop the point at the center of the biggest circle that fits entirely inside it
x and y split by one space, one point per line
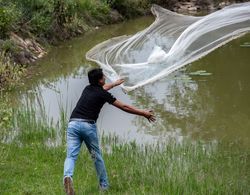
74 142
92 143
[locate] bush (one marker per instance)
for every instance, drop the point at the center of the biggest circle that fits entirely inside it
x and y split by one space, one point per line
129 8
10 73
40 22
29 7
9 15
7 46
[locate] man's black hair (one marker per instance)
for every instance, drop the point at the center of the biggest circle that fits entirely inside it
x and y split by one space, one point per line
95 75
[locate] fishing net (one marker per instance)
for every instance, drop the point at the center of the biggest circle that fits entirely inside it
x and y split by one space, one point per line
169 43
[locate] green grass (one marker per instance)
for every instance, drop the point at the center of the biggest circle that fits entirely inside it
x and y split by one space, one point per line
10 74
28 165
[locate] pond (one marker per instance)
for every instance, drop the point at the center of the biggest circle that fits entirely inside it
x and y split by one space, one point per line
214 106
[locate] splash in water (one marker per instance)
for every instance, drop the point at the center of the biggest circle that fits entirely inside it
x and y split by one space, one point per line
171 42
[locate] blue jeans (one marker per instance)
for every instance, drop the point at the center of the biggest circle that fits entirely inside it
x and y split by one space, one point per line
77 132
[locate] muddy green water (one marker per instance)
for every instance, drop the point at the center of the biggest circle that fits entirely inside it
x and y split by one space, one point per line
214 107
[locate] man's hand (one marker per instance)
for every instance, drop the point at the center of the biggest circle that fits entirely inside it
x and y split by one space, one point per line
130 109
118 82
109 86
149 115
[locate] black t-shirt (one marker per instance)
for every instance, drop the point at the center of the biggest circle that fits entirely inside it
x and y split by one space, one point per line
91 101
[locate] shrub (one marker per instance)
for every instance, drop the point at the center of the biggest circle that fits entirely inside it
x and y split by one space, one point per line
129 8
10 73
9 15
7 46
40 22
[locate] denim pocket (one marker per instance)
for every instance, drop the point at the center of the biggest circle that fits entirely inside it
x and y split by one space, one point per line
72 124
87 125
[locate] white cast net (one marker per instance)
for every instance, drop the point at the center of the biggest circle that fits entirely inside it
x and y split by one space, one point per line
171 42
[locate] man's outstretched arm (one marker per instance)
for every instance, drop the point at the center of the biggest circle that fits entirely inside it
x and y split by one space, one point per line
109 86
130 109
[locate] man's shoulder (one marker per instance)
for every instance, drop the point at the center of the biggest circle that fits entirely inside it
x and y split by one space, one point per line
89 88
95 89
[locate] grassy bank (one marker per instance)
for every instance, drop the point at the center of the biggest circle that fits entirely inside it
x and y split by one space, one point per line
28 27
33 152
10 72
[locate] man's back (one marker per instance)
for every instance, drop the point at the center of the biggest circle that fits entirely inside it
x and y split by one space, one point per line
91 101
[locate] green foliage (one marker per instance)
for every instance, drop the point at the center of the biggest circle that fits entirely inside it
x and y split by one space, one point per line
129 8
40 22
5 114
6 46
9 15
36 14
75 10
29 7
95 7
45 17
39 16
10 73
27 118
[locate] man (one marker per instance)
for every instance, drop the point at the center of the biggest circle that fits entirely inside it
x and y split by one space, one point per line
82 126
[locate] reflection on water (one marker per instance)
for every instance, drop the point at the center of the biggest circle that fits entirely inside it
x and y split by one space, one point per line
213 107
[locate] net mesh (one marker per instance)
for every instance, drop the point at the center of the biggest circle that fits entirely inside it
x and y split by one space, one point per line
169 43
